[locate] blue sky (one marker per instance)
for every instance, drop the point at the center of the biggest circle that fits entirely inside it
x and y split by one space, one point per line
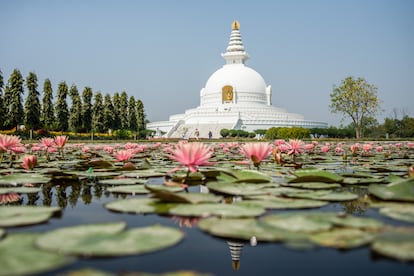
163 52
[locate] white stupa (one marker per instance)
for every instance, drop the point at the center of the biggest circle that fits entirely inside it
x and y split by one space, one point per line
234 97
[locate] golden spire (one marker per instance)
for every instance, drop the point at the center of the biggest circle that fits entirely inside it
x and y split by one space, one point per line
235 25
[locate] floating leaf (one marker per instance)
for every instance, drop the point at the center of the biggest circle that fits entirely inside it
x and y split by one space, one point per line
322 195
129 189
273 202
110 239
231 188
122 181
20 190
249 176
139 206
19 256
12 216
23 178
403 212
402 190
312 175
395 243
343 238
222 210
299 222
313 185
193 198
144 173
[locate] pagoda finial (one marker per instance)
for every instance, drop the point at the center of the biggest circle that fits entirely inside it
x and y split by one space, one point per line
235 25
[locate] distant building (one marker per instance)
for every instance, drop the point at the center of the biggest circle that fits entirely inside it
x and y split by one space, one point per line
234 97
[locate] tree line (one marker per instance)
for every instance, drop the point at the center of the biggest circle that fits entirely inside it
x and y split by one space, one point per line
88 111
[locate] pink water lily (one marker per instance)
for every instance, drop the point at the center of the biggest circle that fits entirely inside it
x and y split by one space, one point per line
60 141
29 162
191 155
295 146
123 155
256 152
10 143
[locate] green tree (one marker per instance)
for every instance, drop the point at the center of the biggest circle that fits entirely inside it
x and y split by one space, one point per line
13 100
61 108
407 129
48 114
117 111
132 115
87 109
357 99
140 116
32 105
97 114
108 113
123 111
2 108
75 113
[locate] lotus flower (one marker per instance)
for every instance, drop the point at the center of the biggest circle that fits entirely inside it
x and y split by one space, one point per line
295 146
29 162
123 155
191 155
256 152
60 141
9 198
10 143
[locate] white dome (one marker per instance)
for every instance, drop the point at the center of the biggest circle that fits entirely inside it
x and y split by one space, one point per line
246 83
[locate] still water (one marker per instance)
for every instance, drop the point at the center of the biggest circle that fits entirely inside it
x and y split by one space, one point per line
198 251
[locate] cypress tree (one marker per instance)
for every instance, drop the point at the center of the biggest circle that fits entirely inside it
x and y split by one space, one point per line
108 113
117 111
75 114
61 108
32 105
13 97
132 114
123 111
48 112
87 109
140 116
97 114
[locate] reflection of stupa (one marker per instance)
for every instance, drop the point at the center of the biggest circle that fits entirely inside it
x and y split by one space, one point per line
235 251
234 97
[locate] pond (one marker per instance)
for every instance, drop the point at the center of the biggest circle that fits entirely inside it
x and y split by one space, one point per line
80 185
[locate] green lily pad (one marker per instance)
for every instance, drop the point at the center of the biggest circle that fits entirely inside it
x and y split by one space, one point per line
400 190
110 239
12 216
273 202
327 195
313 185
343 238
403 212
23 178
245 229
298 222
397 244
2 233
155 188
312 175
249 176
122 181
19 256
193 198
139 206
20 190
355 222
129 189
235 210
362 180
241 189
144 173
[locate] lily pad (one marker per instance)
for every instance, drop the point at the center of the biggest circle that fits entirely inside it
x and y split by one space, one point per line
313 175
273 202
313 185
245 229
327 195
400 190
139 206
121 181
12 216
110 239
235 210
343 238
249 176
19 256
403 212
241 189
299 222
193 198
20 190
129 189
23 178
397 244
